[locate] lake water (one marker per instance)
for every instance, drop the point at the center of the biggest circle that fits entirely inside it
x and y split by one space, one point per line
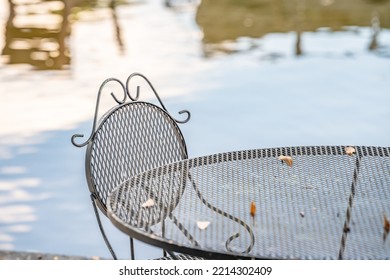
254 74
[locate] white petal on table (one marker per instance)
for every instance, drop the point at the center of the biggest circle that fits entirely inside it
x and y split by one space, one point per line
350 150
148 203
202 224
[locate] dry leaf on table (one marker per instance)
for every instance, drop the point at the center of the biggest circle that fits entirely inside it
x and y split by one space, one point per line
386 223
253 209
288 160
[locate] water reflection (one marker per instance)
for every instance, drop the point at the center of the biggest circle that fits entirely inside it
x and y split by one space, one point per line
113 4
226 20
38 33
15 213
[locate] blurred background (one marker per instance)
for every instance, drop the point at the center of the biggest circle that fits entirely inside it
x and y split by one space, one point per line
253 73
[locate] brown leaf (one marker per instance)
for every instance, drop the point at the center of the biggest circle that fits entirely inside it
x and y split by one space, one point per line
253 209
288 160
386 223
350 151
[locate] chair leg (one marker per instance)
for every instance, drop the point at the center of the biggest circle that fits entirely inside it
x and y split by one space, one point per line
101 227
132 248
172 255
163 234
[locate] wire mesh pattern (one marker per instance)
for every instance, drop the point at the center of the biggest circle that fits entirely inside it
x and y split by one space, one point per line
133 138
180 257
327 204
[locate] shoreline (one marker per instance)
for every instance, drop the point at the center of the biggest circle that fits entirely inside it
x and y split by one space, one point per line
21 255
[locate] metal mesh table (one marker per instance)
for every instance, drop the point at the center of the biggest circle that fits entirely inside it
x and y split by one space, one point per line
315 203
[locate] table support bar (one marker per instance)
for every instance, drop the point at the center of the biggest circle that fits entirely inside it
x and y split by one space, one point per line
346 227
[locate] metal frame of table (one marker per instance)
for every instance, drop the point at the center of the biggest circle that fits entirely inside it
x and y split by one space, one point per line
325 202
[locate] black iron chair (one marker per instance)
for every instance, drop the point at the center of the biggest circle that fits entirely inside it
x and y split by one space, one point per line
130 138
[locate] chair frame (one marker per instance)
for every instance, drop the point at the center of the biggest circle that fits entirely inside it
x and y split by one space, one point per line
94 194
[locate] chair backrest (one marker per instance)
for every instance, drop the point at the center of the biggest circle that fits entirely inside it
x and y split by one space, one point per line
131 138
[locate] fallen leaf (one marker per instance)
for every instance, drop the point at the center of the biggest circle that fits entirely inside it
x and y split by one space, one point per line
148 203
386 227
350 151
253 209
386 223
288 160
202 224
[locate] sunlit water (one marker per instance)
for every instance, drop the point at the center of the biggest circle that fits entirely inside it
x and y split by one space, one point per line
247 88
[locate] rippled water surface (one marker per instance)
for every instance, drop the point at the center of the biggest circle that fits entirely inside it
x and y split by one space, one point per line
253 73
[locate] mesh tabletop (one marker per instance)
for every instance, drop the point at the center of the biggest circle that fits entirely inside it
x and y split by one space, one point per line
322 203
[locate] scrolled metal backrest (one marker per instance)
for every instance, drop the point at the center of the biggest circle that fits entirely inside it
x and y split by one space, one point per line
131 138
